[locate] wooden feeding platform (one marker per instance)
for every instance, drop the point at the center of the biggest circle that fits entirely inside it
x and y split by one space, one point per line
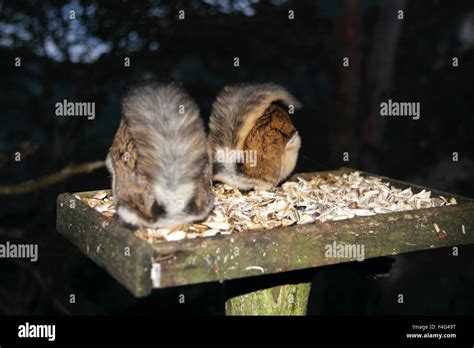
142 266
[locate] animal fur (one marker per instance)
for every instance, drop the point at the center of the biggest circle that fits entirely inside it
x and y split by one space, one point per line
159 159
250 117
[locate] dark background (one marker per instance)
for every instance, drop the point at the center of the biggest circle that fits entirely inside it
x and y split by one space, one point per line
407 60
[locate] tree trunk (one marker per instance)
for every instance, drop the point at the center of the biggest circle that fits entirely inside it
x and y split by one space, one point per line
343 130
380 66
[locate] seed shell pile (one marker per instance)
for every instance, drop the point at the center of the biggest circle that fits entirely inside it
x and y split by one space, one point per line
335 197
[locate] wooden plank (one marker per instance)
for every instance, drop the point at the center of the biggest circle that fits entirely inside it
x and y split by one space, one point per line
126 257
255 253
297 247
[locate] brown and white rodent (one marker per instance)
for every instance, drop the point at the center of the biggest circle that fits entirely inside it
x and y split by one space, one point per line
159 160
254 117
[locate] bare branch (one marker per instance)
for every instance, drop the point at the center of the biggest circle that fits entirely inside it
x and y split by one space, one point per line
48 180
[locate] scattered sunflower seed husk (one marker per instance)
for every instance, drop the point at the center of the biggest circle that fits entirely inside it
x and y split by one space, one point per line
176 235
336 197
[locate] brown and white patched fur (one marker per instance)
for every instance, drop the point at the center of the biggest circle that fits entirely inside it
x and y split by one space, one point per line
159 159
253 119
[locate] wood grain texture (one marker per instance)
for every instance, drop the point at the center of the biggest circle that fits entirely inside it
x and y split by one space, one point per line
289 299
113 247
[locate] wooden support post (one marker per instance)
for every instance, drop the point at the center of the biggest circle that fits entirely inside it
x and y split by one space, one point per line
290 299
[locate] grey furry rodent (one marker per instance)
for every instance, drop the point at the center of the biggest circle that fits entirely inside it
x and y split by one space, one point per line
159 159
254 119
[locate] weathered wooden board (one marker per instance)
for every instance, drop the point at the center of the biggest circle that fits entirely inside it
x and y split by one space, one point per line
140 266
113 247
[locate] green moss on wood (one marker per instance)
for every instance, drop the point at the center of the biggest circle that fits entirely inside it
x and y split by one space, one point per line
290 299
116 249
255 253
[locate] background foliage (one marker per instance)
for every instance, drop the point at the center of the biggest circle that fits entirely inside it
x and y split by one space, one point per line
82 60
